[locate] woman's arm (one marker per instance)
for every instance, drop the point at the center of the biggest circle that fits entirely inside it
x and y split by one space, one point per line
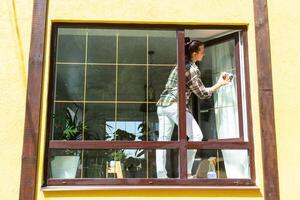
196 85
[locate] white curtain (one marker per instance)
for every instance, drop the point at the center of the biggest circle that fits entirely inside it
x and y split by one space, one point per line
226 110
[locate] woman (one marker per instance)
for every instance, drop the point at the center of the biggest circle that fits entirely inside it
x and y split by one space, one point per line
167 108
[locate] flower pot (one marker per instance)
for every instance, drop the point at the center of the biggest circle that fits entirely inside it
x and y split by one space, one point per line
64 166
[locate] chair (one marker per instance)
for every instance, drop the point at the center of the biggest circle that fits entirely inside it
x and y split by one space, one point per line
114 167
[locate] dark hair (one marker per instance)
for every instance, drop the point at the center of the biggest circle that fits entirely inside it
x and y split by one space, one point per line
191 47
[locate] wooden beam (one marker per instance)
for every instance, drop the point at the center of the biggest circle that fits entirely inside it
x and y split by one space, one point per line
266 104
33 102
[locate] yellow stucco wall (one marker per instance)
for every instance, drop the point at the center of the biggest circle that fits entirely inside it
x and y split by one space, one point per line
284 22
15 29
15 16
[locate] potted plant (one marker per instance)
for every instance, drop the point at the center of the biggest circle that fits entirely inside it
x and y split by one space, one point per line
66 165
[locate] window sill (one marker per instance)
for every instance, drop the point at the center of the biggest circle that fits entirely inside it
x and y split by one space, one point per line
108 188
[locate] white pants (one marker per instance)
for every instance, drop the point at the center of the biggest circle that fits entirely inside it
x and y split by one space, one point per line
168 117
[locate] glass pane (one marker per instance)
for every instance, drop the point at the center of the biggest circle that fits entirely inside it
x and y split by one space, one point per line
97 119
132 83
162 47
130 122
69 82
132 47
95 162
101 48
117 100
212 164
127 163
67 121
65 163
101 83
71 45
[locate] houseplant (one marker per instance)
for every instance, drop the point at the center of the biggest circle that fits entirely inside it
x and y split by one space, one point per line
67 123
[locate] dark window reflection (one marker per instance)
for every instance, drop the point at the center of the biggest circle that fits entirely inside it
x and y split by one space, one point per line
162 50
132 50
132 83
101 49
70 82
101 83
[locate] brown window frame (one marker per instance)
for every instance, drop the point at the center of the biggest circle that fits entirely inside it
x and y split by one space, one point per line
182 144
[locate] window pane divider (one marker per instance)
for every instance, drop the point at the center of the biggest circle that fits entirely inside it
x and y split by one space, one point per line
92 144
129 102
181 104
120 64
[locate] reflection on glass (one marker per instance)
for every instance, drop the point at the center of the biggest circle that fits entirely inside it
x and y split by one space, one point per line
69 82
126 163
97 115
132 83
116 85
71 48
95 162
67 121
225 163
64 163
131 122
100 83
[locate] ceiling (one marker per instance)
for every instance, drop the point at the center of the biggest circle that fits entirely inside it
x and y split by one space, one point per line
207 34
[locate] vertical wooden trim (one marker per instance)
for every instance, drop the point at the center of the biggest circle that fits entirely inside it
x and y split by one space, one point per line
181 103
33 104
51 91
266 105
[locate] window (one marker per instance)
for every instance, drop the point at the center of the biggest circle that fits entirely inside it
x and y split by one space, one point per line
103 122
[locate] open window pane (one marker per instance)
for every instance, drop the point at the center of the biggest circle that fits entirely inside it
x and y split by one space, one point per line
218 116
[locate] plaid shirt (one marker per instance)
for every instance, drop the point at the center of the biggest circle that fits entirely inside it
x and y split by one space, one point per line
193 85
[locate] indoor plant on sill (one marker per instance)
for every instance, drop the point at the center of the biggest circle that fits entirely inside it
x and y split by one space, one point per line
66 165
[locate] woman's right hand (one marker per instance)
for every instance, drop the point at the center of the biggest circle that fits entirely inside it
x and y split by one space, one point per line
224 79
